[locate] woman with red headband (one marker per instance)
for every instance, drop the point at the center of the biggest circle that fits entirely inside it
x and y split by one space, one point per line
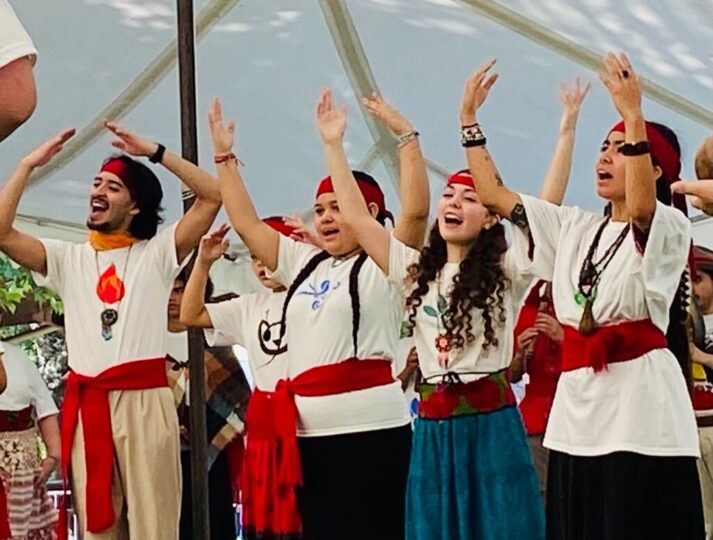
621 433
341 319
470 465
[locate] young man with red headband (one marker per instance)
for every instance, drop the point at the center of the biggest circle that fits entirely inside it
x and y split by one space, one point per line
621 432
702 356
120 430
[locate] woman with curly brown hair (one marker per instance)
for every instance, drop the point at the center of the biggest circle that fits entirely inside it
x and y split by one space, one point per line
470 464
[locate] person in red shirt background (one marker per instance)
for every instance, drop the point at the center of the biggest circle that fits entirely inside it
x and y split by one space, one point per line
537 359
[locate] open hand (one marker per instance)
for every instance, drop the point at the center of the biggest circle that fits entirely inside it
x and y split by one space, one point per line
572 97
623 84
302 232
331 121
222 135
388 114
129 142
700 193
213 245
476 91
41 155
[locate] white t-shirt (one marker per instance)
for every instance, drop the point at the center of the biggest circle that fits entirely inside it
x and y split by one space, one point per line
641 405
25 386
15 43
471 362
253 322
148 270
319 333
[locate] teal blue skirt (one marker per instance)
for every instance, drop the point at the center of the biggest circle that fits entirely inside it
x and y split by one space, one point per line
471 478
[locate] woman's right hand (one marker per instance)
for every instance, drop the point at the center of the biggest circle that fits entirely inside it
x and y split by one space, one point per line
42 155
221 134
388 114
572 97
527 338
476 91
213 245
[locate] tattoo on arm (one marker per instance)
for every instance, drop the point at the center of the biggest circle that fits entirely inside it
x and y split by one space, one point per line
519 216
499 179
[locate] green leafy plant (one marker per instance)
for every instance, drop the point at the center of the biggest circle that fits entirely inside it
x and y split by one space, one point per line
16 285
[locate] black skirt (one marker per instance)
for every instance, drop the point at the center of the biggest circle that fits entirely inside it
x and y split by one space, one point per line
355 485
623 496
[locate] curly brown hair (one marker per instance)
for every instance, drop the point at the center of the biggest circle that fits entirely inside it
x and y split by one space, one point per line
480 284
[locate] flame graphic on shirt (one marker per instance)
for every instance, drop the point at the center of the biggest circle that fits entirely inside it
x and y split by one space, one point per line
110 288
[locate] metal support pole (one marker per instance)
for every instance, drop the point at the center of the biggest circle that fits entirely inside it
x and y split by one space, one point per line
189 144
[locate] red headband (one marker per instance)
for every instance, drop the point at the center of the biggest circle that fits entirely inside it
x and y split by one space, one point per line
115 166
703 258
278 223
665 156
462 178
372 194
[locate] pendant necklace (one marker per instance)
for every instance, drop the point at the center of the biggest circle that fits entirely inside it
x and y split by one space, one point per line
590 275
110 316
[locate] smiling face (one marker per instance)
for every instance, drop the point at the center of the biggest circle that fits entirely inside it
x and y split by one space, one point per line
336 236
461 216
111 208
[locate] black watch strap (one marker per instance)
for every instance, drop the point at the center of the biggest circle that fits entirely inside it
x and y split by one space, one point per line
158 155
635 149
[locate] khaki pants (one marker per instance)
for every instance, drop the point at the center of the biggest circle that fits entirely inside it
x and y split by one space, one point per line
146 489
705 472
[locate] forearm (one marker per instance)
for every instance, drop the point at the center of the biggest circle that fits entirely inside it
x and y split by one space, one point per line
705 359
415 193
488 183
517 366
351 202
555 185
10 197
198 181
193 311
49 429
640 181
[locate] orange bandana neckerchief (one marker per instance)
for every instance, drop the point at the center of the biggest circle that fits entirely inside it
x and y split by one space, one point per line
106 241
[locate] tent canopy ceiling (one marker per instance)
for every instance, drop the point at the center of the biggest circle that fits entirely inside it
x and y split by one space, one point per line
268 60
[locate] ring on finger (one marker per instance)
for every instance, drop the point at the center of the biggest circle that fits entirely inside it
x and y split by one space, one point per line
625 73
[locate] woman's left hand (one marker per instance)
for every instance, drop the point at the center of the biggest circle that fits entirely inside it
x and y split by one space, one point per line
129 142
623 84
549 326
331 121
388 114
49 464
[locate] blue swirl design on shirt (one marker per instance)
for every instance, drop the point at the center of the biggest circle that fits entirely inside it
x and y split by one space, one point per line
319 294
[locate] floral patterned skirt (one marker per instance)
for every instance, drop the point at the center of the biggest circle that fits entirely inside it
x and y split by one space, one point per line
29 514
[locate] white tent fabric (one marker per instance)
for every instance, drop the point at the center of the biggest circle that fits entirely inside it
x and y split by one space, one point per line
268 59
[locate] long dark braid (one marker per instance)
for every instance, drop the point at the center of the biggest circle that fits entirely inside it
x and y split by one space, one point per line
353 293
480 284
299 279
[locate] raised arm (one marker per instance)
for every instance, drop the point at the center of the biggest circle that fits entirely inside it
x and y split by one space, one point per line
22 248
488 184
414 191
372 237
555 184
624 86
212 246
262 240
196 222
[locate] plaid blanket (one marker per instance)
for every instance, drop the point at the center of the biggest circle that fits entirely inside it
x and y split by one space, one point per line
227 394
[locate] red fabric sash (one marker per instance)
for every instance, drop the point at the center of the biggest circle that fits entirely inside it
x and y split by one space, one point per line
271 467
89 396
5 531
609 344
